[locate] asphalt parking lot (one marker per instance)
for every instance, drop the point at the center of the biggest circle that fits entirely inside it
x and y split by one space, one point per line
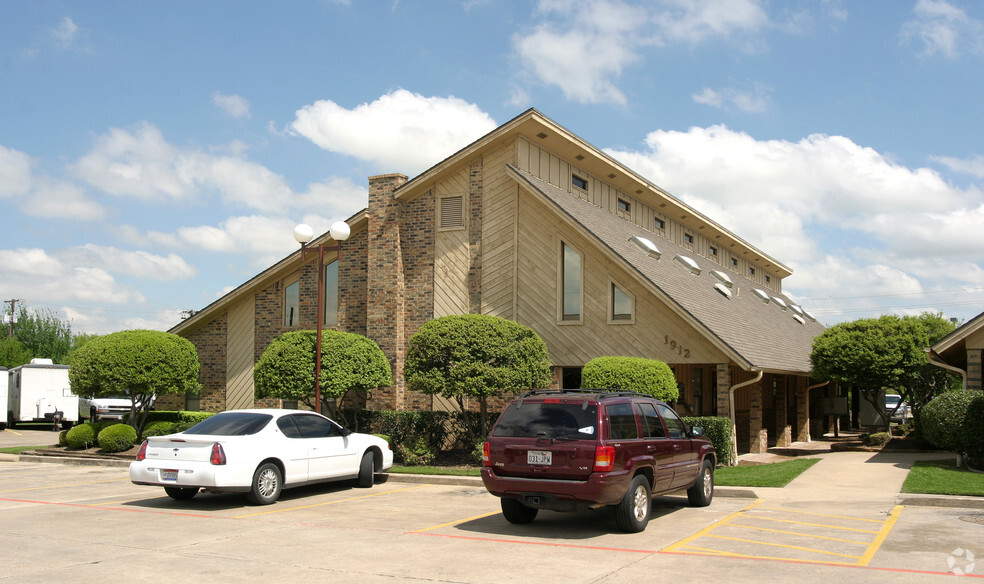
87 523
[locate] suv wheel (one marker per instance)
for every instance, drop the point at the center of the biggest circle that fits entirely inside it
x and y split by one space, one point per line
632 514
702 491
516 512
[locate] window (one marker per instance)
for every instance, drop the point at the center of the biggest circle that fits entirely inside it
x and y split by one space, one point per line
452 213
621 422
673 422
579 182
652 425
624 205
659 223
734 262
292 303
688 239
751 271
331 294
713 250
768 279
621 304
571 277
570 377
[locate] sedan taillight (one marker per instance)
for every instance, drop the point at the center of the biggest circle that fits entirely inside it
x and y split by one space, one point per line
218 454
142 453
604 458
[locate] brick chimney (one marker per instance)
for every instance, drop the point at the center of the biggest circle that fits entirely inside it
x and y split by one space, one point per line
386 290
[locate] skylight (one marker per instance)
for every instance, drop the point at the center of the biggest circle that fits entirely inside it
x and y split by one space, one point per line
762 294
646 245
780 302
723 290
724 278
688 263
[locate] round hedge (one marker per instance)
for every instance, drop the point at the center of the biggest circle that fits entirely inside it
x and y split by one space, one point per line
81 436
117 438
159 429
955 421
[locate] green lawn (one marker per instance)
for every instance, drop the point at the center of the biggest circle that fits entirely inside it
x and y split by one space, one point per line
18 449
942 477
777 474
436 470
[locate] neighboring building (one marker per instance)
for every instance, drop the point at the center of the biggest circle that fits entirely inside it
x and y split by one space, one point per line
533 224
961 352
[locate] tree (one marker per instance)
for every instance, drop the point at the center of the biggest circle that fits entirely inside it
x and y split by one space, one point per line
138 364
475 355
43 334
649 376
874 354
349 362
13 353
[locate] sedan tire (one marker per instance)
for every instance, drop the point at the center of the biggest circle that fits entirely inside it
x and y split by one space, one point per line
266 485
365 471
181 493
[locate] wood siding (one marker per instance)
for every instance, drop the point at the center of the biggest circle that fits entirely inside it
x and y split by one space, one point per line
451 255
239 355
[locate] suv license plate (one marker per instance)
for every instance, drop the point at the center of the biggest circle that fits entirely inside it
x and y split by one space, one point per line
539 457
169 475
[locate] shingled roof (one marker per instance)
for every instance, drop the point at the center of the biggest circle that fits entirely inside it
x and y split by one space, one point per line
773 336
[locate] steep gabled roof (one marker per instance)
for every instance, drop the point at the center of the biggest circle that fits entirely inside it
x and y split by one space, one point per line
755 334
546 133
952 349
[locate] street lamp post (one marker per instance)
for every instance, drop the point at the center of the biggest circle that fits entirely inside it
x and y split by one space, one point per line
303 233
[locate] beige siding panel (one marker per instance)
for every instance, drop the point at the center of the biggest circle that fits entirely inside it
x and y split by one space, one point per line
451 273
499 229
239 355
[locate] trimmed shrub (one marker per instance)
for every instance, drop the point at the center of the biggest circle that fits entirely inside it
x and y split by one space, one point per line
61 438
954 421
718 431
81 436
416 454
649 376
159 429
876 439
172 416
117 438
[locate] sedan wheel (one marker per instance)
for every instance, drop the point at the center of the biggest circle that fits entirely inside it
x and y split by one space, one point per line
365 471
632 514
266 486
181 493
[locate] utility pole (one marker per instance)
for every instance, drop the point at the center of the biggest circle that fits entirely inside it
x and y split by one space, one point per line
13 305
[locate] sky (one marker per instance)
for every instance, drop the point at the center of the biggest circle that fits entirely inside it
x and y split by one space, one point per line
155 155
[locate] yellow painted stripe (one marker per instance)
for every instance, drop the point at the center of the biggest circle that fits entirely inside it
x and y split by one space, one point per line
455 522
880 538
782 545
777 520
711 527
329 502
801 534
821 514
12 431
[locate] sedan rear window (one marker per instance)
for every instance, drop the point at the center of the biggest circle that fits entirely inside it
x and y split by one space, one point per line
549 420
231 424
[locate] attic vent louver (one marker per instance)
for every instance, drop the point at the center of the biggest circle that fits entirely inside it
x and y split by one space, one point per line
725 279
723 290
646 245
780 302
762 294
688 263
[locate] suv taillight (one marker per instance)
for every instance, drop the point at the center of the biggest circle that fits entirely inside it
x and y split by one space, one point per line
604 458
218 454
486 457
142 453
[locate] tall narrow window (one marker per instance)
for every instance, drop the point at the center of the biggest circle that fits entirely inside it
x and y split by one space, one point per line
621 304
331 294
292 304
571 275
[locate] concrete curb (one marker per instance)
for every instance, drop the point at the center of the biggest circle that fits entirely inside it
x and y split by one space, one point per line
951 501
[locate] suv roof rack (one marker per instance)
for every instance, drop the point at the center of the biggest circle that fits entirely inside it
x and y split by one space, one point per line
598 393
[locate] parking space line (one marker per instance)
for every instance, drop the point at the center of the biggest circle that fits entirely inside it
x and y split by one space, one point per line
825 525
456 522
376 494
880 538
783 545
764 508
797 533
64 486
88 506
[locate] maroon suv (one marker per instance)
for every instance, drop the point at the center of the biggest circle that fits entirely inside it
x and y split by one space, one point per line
567 450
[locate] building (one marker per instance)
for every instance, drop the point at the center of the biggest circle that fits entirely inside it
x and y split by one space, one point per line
533 224
961 352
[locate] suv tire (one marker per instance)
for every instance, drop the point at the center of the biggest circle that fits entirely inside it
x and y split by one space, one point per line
632 514
702 491
516 512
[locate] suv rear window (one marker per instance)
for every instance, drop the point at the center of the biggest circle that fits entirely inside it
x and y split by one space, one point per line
576 421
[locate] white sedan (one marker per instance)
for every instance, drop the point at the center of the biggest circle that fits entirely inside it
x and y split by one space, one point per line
258 452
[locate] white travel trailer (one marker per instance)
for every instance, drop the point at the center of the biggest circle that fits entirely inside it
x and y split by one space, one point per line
40 392
4 378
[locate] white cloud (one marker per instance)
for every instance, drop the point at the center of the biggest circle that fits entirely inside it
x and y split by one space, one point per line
65 35
584 46
756 101
973 166
942 28
15 172
40 195
234 105
139 264
399 132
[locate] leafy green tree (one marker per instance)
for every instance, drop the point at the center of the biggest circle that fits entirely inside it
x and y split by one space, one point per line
13 353
875 354
77 341
138 364
349 362
475 355
649 376
43 334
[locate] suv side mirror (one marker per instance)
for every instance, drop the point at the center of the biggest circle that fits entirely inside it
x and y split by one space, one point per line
696 431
